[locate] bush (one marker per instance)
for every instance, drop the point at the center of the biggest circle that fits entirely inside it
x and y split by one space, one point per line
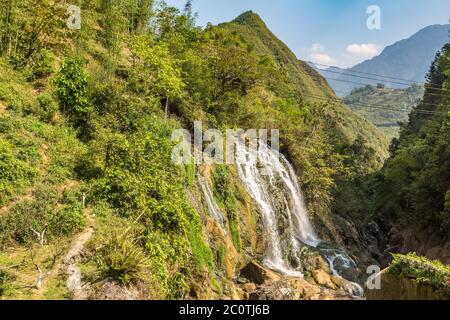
122 260
47 107
423 271
14 173
71 89
41 213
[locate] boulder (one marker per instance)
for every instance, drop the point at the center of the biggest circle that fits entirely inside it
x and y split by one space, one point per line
323 279
256 273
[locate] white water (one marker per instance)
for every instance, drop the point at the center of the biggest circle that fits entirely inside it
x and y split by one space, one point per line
262 171
338 257
213 208
270 180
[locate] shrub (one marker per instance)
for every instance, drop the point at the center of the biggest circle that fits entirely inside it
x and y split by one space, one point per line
47 107
14 173
423 271
71 89
122 260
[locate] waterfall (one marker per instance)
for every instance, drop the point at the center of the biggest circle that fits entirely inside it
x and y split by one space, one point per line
339 262
268 176
213 208
271 182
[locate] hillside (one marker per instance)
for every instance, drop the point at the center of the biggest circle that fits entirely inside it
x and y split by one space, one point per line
92 203
412 197
309 84
386 108
407 59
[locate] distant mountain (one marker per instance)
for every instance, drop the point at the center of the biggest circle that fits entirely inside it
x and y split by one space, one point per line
408 59
384 107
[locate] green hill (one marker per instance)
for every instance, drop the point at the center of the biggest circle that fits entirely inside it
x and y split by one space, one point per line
87 183
306 82
385 108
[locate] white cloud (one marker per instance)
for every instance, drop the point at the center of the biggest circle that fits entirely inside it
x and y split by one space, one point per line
368 50
318 55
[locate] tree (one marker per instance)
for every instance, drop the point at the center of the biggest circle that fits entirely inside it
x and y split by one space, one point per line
155 71
71 90
29 26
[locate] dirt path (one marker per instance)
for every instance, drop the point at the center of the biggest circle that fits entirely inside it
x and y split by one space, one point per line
78 244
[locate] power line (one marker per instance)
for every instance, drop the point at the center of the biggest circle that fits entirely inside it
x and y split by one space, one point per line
422 111
421 102
377 75
367 84
374 106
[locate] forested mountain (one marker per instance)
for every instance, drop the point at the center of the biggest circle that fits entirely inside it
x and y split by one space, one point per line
397 66
413 188
384 107
92 205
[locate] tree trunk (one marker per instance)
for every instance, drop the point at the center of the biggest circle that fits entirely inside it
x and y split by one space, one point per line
166 110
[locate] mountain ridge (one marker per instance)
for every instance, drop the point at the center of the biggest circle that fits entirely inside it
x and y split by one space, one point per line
408 59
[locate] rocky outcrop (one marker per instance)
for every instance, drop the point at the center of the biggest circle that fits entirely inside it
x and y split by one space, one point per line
296 289
394 287
259 283
256 273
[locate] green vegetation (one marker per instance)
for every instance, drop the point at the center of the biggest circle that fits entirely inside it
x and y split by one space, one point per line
86 118
422 270
391 107
414 184
123 260
227 196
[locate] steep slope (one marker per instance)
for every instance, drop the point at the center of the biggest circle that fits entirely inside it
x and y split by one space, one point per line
386 108
412 198
87 172
408 59
311 86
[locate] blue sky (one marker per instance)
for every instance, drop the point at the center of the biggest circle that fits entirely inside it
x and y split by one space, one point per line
330 31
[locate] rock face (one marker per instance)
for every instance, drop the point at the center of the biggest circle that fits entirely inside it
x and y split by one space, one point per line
257 274
403 288
296 289
323 279
264 284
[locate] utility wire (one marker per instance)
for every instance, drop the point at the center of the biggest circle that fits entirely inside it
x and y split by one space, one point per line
421 102
421 111
374 106
376 75
367 84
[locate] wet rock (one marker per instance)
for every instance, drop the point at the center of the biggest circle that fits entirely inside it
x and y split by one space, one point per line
314 261
275 291
296 289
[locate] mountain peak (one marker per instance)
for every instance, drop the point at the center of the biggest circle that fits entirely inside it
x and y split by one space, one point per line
250 18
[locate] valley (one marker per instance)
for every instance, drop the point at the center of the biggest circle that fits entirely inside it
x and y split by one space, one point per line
93 206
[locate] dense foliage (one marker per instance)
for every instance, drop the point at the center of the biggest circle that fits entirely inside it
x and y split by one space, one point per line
421 270
414 187
86 118
386 108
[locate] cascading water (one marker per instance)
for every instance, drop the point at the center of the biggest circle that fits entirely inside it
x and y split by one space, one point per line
271 182
213 208
269 177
